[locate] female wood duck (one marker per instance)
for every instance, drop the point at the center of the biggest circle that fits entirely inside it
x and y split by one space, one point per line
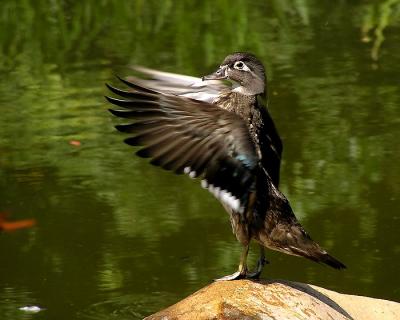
224 136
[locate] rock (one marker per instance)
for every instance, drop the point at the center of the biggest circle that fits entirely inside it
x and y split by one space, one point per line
275 299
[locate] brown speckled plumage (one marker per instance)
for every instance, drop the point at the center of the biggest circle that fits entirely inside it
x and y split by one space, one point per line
261 128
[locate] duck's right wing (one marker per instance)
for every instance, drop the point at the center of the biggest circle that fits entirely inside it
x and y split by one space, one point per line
189 136
178 84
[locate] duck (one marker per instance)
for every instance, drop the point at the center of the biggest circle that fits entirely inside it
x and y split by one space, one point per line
217 129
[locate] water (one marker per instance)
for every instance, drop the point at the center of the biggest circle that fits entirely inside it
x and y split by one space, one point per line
118 239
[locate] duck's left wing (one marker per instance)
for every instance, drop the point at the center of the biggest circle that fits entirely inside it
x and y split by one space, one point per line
188 136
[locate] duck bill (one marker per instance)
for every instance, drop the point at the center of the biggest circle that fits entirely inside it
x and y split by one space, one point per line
220 74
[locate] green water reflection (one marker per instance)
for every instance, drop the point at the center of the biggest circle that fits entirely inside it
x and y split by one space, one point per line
118 239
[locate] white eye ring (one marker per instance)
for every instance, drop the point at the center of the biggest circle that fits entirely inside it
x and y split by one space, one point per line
240 65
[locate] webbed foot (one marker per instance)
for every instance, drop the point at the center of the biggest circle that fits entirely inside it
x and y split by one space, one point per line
242 270
260 266
234 276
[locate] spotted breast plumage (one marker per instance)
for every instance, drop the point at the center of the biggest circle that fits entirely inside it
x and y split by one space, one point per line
224 136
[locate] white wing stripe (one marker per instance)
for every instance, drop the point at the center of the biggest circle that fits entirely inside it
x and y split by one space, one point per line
224 196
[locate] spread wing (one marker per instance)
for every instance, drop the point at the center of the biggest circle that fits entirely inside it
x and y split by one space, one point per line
190 136
180 85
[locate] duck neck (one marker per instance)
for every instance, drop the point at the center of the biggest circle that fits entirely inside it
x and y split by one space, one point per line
236 102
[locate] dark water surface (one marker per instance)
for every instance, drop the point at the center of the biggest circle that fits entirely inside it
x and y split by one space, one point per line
118 239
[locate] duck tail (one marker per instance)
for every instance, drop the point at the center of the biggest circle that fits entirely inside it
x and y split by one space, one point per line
331 261
282 231
311 250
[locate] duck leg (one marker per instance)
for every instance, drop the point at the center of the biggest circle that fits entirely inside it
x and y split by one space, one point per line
260 265
242 270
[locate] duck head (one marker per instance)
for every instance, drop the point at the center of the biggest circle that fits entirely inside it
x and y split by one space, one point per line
246 72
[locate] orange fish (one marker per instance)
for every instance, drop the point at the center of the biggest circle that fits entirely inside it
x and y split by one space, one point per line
6 225
75 143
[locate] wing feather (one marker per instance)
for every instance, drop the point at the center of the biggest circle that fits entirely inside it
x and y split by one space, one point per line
180 85
190 136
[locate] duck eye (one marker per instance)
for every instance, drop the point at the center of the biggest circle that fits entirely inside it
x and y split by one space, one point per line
239 65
